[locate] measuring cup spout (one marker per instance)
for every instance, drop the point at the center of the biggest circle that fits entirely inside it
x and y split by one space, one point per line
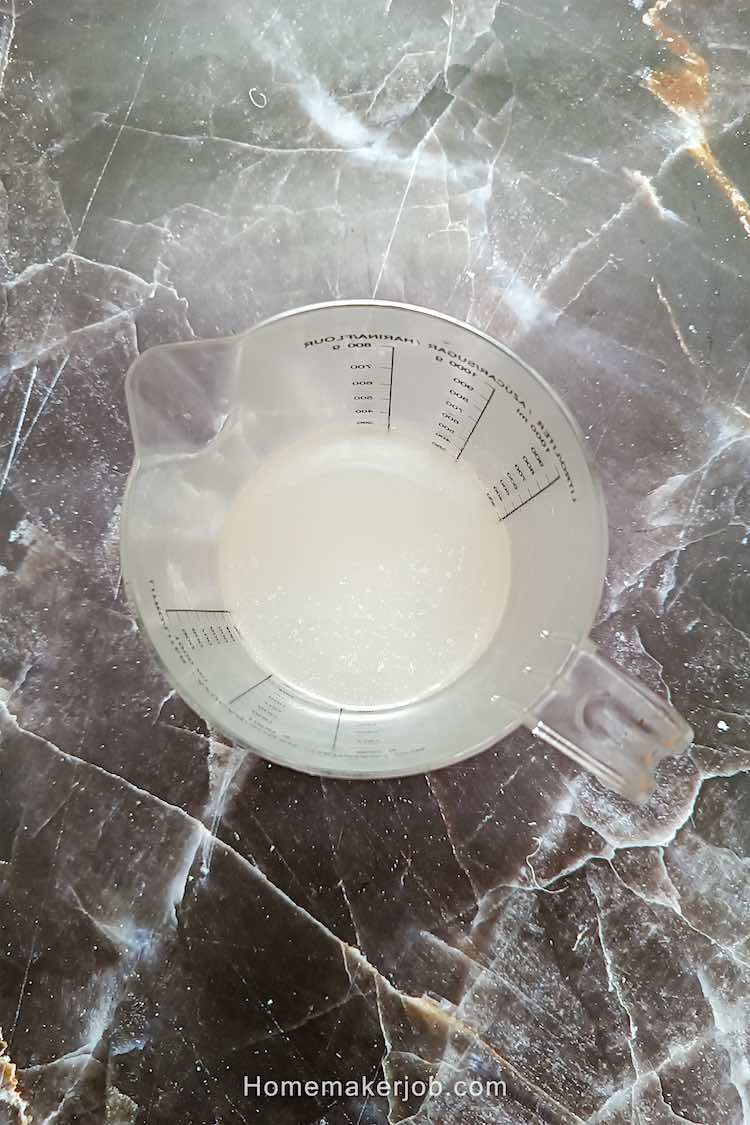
179 396
610 724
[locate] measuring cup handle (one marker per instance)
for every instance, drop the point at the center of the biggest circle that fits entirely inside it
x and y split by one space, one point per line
610 724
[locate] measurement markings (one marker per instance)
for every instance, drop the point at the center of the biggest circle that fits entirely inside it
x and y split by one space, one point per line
338 725
200 628
487 402
462 410
390 386
185 609
372 388
248 690
530 498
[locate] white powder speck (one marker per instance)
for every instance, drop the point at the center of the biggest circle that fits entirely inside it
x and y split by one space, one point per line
23 533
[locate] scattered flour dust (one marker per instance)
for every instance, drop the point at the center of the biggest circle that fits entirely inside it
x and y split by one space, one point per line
23 533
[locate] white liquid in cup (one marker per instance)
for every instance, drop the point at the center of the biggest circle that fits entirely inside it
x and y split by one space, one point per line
366 569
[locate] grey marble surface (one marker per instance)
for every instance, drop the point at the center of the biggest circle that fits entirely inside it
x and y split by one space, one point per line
176 914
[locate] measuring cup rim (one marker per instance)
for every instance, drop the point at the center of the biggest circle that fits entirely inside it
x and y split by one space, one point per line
423 310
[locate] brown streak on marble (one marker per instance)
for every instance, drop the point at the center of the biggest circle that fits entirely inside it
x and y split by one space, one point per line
10 1090
685 93
680 90
427 1008
705 157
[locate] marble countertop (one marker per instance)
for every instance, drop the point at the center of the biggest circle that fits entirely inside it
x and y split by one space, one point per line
176 915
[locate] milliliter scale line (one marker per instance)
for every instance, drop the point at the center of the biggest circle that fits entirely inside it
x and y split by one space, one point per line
186 610
248 690
336 732
530 498
390 387
479 419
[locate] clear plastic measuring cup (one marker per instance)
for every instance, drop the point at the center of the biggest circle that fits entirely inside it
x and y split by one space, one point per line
205 415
